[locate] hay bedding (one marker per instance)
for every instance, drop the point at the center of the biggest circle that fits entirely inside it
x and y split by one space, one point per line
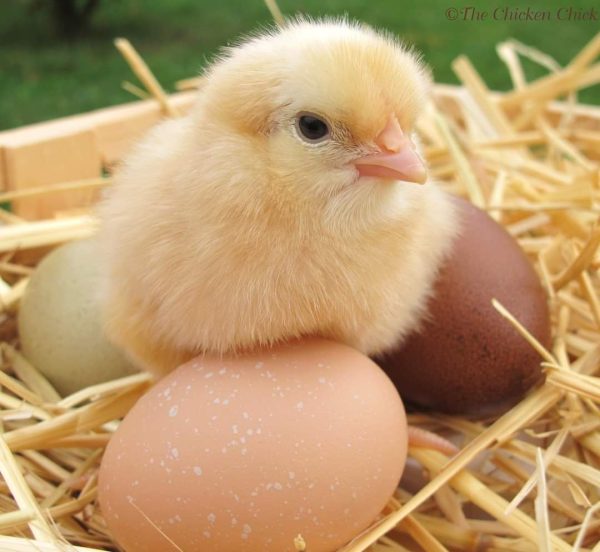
527 481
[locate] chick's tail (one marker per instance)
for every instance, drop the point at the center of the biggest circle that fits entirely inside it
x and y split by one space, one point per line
128 326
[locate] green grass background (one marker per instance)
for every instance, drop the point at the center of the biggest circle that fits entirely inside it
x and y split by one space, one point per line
43 76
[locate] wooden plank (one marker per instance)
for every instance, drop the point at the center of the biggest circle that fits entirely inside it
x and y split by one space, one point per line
2 171
118 128
183 101
115 128
61 155
117 131
88 120
73 148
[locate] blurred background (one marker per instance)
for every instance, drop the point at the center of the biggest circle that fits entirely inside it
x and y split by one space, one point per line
57 56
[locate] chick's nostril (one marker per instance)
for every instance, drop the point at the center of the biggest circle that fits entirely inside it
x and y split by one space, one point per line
391 138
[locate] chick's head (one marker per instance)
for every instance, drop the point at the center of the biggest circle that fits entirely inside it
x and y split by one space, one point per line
329 109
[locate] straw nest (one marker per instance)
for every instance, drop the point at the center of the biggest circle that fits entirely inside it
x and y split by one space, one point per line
527 481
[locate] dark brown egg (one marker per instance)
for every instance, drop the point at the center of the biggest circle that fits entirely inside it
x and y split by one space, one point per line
466 358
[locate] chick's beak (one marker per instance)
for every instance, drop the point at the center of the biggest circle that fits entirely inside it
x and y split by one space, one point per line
398 159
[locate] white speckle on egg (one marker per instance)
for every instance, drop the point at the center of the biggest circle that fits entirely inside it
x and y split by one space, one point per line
175 519
212 518
174 453
197 470
206 534
299 405
246 530
173 411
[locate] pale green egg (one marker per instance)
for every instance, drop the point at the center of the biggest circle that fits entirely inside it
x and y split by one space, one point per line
60 323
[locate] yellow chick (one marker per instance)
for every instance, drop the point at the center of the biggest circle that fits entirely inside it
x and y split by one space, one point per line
283 205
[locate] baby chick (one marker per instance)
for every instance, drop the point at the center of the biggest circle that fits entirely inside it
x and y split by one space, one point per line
285 204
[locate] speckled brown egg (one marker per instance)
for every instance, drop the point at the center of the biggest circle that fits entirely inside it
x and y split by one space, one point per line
246 453
466 358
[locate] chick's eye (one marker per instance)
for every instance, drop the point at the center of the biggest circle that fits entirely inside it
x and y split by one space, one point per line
312 128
